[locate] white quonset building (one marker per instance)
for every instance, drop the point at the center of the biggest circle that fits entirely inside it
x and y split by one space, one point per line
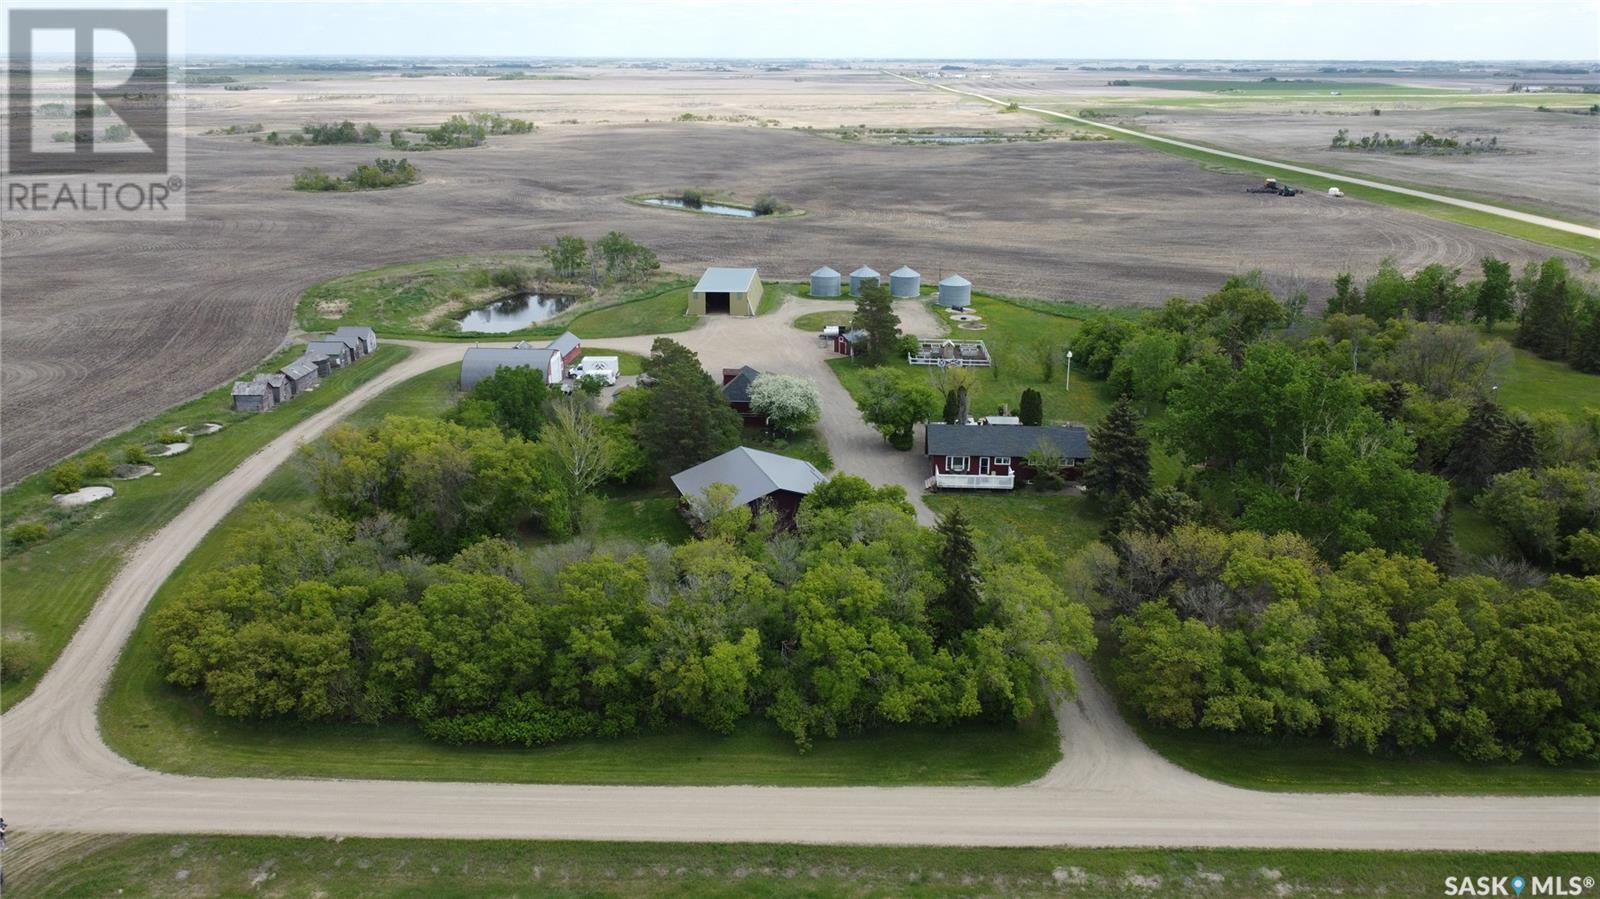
482 362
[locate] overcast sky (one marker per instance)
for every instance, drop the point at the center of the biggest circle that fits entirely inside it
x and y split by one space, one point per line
1074 29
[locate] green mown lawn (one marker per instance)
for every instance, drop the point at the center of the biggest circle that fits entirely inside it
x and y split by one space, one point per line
304 866
170 729
808 445
1065 523
50 587
662 313
1532 384
814 322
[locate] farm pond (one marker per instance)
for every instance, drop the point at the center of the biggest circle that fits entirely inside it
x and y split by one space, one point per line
713 208
516 312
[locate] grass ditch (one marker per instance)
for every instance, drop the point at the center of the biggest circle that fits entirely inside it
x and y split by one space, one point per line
305 866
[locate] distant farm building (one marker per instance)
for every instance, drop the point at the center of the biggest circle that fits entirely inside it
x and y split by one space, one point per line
904 283
337 351
756 477
825 282
301 375
482 362
323 364
992 457
849 342
366 338
568 346
861 277
736 389
955 292
726 291
251 396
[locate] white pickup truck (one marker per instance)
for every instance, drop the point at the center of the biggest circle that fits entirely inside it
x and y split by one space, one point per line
596 366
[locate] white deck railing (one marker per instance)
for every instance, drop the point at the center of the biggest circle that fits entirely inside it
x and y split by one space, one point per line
975 481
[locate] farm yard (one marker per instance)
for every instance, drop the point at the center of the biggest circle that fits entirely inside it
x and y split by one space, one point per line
1141 225
720 533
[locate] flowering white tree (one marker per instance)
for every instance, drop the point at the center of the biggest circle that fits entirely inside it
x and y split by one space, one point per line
789 403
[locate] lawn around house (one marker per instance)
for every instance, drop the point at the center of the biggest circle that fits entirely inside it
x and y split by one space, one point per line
136 866
166 728
665 312
304 866
51 586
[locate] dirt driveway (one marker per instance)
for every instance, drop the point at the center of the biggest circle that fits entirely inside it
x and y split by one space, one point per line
772 344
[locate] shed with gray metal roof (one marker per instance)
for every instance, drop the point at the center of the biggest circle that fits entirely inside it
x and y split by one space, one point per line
754 475
735 291
482 362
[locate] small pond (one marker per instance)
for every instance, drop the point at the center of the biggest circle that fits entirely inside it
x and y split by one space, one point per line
713 208
517 312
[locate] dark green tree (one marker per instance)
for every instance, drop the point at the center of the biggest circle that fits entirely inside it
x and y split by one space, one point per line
1240 313
1475 456
1547 321
952 407
1392 402
1519 444
957 607
875 315
1118 471
1491 304
687 421
1032 409
1586 349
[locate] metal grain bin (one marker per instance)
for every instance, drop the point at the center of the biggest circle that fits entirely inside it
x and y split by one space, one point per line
955 292
860 277
904 282
824 282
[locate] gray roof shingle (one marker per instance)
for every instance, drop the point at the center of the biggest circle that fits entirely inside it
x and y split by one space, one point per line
738 390
1071 441
752 473
565 344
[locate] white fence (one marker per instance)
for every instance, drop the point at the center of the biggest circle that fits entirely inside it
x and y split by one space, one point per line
972 481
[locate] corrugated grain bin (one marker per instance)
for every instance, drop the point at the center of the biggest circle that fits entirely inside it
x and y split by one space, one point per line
861 277
824 282
955 292
904 282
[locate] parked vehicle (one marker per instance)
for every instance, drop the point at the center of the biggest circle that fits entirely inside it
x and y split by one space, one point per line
597 366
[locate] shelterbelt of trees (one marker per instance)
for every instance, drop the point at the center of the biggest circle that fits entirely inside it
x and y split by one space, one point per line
1302 577
402 599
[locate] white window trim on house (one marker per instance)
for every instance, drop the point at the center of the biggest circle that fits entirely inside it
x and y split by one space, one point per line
956 464
1002 460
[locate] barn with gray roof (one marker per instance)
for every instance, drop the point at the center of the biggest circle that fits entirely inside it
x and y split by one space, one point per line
756 477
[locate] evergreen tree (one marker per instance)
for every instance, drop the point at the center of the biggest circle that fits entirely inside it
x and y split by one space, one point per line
875 315
688 420
1492 303
1118 471
956 607
1393 400
1476 456
952 408
1586 351
1519 445
1032 411
1441 547
1547 322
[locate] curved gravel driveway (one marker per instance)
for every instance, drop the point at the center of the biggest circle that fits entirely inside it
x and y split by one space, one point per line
1108 790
